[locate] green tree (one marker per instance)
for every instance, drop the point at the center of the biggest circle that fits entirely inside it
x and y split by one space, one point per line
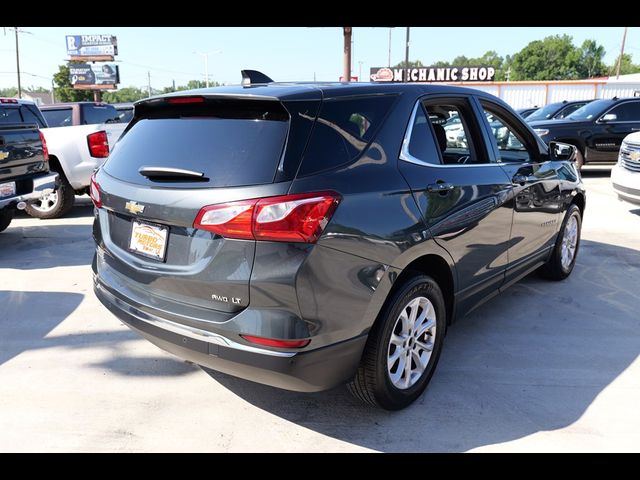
125 95
553 58
626 67
591 64
33 89
64 91
10 92
403 64
191 85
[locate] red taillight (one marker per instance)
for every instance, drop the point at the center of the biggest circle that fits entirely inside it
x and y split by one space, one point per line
231 220
185 100
289 218
94 192
272 342
98 144
45 150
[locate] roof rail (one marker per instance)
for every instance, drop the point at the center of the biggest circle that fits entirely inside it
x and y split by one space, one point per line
252 77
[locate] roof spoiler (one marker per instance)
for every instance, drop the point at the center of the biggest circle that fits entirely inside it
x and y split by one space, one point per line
252 77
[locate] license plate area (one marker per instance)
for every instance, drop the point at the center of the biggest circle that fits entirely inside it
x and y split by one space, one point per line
7 189
149 240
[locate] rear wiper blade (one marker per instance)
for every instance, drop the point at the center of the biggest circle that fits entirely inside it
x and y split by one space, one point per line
166 173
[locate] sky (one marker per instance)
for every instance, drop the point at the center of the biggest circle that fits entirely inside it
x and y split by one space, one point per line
283 53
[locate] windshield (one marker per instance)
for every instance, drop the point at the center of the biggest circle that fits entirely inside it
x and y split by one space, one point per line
590 110
545 112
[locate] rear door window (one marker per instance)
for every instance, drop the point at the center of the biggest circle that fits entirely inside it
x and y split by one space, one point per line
59 117
95 114
343 129
228 146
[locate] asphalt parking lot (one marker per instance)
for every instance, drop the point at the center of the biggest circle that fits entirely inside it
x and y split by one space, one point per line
544 367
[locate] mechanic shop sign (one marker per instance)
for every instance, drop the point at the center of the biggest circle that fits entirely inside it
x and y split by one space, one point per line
433 74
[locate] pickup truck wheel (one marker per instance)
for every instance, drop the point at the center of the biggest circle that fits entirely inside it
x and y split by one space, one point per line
6 215
403 347
55 204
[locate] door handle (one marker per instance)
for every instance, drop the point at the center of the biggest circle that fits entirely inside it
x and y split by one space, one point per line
440 187
635 129
519 179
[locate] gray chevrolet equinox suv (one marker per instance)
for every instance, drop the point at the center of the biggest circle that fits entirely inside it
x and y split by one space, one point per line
309 235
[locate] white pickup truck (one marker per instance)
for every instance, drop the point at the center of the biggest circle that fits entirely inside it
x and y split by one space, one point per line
79 137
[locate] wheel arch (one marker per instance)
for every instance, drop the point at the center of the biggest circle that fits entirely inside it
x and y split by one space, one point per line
56 166
438 268
579 200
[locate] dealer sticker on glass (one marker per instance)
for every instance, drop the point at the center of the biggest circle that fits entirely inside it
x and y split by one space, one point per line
7 189
149 240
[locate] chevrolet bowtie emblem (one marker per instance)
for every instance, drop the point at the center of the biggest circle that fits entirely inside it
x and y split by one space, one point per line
635 156
134 207
3 155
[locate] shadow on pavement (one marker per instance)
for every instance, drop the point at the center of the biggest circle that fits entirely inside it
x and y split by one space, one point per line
161 366
531 360
27 317
46 245
598 171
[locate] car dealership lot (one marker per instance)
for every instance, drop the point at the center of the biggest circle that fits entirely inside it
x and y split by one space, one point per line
544 367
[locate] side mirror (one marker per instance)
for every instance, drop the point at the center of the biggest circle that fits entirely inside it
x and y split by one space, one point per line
562 151
609 117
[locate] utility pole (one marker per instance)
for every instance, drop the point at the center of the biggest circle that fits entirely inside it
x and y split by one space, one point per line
389 61
406 52
18 63
624 37
347 54
360 62
173 89
149 81
53 92
206 63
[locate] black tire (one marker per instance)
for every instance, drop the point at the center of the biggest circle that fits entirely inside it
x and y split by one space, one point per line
372 383
6 215
554 269
54 207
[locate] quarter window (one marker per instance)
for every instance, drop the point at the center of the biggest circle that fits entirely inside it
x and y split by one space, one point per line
343 129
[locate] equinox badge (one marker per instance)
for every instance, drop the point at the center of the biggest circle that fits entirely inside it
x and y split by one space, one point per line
134 207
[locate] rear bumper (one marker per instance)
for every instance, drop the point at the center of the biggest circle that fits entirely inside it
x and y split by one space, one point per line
626 184
307 371
42 186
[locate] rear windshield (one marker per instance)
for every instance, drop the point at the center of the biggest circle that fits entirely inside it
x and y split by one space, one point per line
10 115
94 114
125 115
20 114
230 152
61 117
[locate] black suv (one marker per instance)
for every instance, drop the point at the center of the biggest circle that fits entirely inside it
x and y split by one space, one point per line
596 129
308 235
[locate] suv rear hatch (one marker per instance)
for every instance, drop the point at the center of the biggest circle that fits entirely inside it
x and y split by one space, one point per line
178 155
